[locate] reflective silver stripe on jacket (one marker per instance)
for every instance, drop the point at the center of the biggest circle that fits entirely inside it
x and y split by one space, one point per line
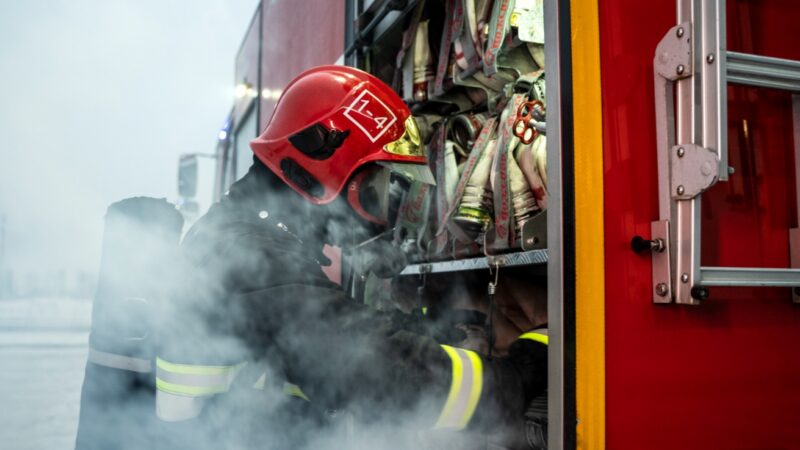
465 388
121 362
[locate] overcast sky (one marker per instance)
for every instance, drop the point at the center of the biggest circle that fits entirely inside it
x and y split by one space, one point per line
97 100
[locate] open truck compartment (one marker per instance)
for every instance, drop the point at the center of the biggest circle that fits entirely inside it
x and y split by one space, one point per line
656 217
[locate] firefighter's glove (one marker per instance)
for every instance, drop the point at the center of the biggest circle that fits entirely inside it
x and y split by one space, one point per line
442 325
383 259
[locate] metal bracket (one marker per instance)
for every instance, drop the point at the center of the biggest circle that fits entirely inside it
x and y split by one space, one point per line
672 62
534 233
673 59
694 169
662 285
496 261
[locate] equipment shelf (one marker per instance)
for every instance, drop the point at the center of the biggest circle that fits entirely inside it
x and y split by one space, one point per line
526 258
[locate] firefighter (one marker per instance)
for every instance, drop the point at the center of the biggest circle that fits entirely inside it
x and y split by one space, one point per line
259 321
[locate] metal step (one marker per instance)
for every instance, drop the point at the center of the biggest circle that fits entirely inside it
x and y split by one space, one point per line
747 276
763 71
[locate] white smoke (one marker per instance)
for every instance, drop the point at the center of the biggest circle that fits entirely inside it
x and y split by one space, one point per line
287 333
98 100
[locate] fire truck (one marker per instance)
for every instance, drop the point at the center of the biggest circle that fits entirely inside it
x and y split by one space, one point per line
670 244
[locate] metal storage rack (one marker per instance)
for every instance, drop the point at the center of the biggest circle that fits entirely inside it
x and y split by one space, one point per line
371 25
370 31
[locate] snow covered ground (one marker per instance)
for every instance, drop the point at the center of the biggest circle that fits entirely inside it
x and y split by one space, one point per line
43 345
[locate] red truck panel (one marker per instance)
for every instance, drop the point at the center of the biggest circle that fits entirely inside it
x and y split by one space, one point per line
298 34
247 66
723 375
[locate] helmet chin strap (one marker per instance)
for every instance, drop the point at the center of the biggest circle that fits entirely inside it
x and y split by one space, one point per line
381 257
377 179
366 242
337 224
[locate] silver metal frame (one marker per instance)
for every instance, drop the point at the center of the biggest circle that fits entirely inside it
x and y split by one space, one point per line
685 229
693 149
794 233
709 62
555 264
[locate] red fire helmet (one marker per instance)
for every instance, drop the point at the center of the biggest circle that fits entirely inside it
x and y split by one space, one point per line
332 120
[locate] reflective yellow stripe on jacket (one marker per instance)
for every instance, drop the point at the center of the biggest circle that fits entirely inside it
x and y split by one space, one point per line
538 336
288 388
194 380
295 391
181 389
465 388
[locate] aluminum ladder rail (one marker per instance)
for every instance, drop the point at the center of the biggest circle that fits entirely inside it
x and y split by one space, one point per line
691 77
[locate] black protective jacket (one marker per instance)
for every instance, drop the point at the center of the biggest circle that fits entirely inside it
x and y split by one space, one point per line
255 292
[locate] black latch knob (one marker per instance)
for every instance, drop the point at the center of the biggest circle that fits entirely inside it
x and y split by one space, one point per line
640 244
699 293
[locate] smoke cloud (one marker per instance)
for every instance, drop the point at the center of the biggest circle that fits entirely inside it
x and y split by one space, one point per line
99 99
253 297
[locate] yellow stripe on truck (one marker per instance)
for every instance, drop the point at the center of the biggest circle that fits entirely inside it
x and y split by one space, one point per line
589 232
